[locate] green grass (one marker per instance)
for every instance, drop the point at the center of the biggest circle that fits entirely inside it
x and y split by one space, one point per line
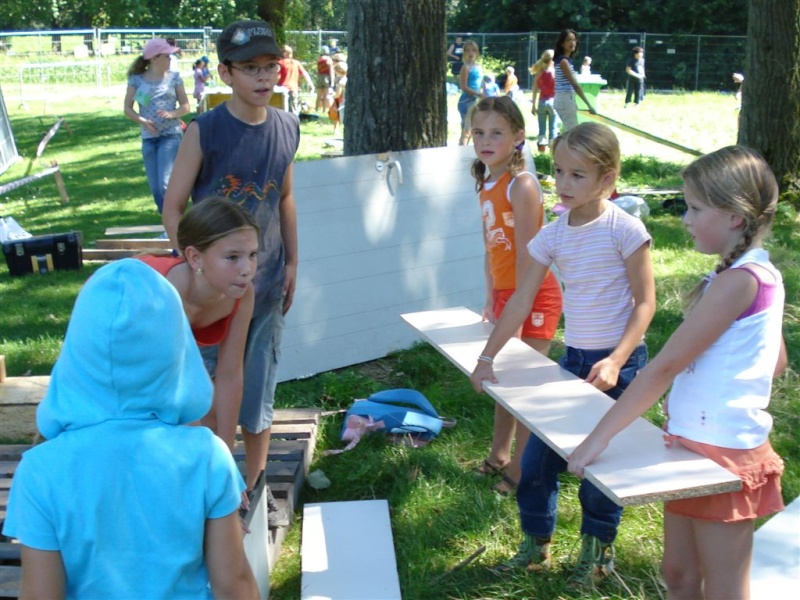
441 512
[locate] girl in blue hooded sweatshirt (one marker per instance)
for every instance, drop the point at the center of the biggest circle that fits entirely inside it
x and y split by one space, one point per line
124 499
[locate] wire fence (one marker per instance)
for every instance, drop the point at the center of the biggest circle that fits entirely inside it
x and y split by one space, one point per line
673 62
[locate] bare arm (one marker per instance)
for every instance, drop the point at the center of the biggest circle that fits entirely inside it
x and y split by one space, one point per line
229 378
181 182
307 77
565 68
450 52
725 299
488 304
43 575
288 216
639 270
228 569
514 312
783 359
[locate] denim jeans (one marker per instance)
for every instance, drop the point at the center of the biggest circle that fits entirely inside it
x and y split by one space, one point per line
159 156
261 356
547 112
537 492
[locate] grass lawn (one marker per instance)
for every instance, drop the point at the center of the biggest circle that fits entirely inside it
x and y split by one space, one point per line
441 511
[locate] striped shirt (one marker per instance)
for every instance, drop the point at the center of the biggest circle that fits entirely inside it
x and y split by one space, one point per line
591 260
562 83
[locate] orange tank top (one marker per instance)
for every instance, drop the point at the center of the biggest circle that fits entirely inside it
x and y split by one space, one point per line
498 232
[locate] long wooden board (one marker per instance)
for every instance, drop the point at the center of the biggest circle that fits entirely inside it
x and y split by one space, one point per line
24 390
561 409
648 136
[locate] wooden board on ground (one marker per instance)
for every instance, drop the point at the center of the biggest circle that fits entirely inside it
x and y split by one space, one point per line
338 563
144 245
24 390
775 568
135 230
561 409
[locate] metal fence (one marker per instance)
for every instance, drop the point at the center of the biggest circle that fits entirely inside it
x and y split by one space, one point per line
687 62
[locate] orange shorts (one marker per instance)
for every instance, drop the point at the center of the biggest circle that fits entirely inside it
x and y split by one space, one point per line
760 471
545 312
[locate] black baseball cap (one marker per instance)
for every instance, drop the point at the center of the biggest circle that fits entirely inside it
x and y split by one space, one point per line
244 40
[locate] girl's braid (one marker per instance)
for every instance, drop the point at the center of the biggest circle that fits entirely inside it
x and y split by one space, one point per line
748 233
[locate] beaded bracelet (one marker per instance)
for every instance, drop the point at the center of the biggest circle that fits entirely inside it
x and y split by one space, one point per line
486 359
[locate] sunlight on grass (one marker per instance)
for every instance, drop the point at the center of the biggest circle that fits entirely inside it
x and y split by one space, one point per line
442 511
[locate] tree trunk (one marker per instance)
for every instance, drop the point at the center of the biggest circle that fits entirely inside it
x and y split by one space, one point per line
274 13
770 118
395 95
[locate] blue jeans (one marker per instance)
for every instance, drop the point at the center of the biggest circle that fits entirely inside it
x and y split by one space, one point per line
159 156
547 112
465 102
537 492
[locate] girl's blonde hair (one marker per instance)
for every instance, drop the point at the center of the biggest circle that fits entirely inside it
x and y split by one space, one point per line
736 180
543 63
508 109
472 44
594 143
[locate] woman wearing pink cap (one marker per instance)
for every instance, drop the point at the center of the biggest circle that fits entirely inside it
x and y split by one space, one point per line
157 91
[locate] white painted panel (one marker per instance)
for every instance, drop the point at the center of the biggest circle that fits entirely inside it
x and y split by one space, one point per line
562 409
348 552
776 555
372 248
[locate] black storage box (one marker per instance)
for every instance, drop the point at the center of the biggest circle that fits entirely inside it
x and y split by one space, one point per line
44 253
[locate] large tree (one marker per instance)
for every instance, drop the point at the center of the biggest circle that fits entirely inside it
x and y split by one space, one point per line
395 82
770 118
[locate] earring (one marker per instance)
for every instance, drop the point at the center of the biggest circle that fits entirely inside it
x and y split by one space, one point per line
199 271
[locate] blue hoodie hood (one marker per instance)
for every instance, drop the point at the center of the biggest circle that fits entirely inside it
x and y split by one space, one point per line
129 353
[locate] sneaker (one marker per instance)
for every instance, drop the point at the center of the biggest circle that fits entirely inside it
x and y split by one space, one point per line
595 563
533 555
276 515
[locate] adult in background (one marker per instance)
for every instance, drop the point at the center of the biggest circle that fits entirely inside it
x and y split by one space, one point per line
455 54
291 70
162 101
635 70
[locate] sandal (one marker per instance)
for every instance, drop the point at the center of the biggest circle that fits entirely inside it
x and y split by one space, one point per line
506 486
486 468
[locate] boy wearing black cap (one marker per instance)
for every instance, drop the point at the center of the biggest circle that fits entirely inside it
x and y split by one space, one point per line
243 150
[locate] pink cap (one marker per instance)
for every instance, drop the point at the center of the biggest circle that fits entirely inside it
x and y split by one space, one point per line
157 46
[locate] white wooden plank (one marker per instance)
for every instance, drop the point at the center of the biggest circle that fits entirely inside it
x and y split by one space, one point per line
372 248
24 390
776 555
256 543
561 409
341 564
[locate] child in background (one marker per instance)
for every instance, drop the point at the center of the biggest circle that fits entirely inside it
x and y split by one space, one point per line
603 256
243 150
513 213
544 85
490 87
720 363
586 67
470 80
566 83
162 101
511 83
200 79
635 70
336 111
124 500
218 242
